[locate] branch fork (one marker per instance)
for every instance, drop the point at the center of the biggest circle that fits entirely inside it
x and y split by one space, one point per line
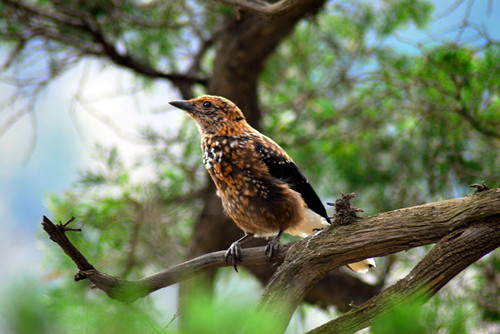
464 230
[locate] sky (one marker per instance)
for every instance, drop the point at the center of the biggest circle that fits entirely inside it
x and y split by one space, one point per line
64 139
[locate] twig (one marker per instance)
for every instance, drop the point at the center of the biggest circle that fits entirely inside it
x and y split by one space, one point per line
344 213
479 187
57 234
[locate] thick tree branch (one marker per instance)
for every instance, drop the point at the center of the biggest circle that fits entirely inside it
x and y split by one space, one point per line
310 259
263 8
338 288
448 258
37 11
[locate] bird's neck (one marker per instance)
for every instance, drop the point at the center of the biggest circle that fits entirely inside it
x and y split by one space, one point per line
227 129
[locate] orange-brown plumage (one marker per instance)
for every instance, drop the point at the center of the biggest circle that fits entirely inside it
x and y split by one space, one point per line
258 202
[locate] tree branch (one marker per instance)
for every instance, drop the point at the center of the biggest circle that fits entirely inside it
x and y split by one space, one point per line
308 260
57 233
311 258
263 8
125 290
85 23
126 60
448 258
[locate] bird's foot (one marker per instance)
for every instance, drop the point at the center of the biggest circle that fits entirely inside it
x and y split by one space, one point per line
233 254
272 248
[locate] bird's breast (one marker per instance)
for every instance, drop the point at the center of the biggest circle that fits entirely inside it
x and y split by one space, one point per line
258 202
234 167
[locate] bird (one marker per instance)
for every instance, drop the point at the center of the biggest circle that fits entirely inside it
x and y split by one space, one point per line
260 186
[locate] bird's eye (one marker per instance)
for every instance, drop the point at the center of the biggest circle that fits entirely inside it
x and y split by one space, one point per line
207 105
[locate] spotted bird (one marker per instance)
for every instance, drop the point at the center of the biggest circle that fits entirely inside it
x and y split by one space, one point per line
260 186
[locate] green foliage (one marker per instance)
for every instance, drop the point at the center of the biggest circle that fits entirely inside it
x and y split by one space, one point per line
407 318
398 129
205 315
488 288
418 318
99 314
136 225
396 14
73 308
24 311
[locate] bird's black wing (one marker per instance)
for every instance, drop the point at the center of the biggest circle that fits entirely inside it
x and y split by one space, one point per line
283 168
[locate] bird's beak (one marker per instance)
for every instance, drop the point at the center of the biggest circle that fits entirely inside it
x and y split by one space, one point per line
184 105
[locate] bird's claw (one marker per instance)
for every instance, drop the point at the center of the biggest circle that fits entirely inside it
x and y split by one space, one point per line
272 249
233 254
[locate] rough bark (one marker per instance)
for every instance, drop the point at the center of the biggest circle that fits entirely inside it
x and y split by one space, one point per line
449 257
337 288
310 259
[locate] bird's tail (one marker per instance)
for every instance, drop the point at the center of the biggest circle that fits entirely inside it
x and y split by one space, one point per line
313 223
362 266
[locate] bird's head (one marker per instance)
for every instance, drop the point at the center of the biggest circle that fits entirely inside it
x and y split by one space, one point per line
214 115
